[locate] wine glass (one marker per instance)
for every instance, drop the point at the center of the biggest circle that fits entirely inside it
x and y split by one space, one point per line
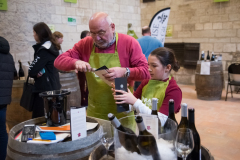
106 139
184 142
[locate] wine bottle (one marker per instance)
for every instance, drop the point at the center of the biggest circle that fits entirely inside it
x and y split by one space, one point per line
146 142
127 137
196 152
208 57
171 114
20 72
202 56
213 57
154 112
184 121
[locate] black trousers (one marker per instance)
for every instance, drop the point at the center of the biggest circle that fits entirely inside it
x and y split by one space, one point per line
38 106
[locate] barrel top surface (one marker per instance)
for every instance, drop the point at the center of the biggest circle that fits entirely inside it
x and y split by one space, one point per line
54 148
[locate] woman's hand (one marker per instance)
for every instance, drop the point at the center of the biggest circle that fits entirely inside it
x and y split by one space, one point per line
126 97
39 75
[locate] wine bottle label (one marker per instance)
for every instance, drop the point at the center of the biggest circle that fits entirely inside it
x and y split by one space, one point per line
22 78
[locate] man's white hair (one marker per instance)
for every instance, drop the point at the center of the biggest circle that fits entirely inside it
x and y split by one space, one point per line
109 20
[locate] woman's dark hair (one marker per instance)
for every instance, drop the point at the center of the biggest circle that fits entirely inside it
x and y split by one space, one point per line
84 34
166 56
44 34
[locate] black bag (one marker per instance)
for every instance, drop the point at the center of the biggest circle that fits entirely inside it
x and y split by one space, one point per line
27 96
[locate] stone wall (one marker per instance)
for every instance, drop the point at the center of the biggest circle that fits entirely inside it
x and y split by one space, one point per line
216 26
16 24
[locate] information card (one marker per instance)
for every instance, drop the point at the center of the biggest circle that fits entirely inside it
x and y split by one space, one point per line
78 123
151 124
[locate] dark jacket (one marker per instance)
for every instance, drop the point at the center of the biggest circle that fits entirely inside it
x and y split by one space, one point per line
44 56
7 69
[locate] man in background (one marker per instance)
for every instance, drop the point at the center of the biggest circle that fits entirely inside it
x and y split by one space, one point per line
148 44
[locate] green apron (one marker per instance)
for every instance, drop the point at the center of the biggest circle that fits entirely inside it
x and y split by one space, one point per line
100 98
154 89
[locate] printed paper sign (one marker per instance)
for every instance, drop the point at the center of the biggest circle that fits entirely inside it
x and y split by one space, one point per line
151 124
78 123
51 27
72 21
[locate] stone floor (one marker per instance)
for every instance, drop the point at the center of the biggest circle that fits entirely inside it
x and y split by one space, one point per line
217 122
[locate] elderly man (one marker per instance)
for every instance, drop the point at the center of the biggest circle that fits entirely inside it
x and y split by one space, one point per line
121 53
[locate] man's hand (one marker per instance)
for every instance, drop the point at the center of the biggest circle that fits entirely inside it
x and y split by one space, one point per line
82 66
126 97
115 72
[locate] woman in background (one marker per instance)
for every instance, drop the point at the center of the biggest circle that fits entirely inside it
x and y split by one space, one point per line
58 36
45 75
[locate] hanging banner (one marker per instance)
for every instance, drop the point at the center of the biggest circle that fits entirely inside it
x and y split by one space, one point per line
158 24
3 5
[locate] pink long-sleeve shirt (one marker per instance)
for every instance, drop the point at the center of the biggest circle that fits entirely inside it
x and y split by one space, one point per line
129 52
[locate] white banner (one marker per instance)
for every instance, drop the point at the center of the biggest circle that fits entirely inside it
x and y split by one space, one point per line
158 24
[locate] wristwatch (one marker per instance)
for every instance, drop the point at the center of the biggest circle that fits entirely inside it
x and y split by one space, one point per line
127 73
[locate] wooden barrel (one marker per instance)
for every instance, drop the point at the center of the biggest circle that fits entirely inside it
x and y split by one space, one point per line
209 87
100 153
70 82
15 113
70 150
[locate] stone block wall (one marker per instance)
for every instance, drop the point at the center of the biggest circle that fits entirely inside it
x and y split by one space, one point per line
216 26
16 24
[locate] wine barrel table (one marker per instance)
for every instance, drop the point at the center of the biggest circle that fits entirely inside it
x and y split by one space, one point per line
209 87
15 113
100 152
70 82
67 150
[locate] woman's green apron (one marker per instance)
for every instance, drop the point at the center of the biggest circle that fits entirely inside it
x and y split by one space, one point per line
154 89
100 98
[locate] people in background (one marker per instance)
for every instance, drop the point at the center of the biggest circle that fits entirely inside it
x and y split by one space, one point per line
7 69
84 34
122 55
131 32
161 86
82 78
58 36
148 44
42 68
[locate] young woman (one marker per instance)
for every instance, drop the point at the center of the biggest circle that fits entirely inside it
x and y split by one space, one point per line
161 85
45 75
58 36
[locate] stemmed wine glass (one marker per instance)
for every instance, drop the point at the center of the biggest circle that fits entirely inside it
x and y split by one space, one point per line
106 139
184 142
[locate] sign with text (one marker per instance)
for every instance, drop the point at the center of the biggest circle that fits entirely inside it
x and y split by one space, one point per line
169 31
158 24
72 21
51 27
3 5
78 123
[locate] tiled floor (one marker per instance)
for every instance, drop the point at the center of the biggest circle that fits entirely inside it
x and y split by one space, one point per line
217 122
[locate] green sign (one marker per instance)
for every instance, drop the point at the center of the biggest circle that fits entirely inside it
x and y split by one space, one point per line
71 1
72 21
51 27
221 0
169 31
3 5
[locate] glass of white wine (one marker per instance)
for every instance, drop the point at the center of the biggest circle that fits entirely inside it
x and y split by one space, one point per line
184 142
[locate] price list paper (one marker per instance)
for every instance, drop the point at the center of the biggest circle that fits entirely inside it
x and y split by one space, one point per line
78 123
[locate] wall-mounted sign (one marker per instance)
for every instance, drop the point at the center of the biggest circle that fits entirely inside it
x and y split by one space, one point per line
52 27
72 21
158 24
71 1
221 0
3 5
169 31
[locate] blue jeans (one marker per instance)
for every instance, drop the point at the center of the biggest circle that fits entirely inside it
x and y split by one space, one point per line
3 132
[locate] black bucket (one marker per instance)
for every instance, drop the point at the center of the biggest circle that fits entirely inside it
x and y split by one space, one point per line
55 106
